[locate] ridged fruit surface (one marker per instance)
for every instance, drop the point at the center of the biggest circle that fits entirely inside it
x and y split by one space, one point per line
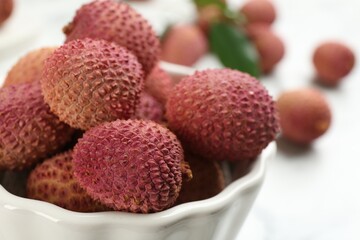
87 82
149 109
116 21
131 165
184 45
29 132
222 114
333 61
304 115
159 84
259 11
29 68
208 180
53 181
6 9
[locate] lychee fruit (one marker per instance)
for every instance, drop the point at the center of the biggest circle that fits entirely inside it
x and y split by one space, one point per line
149 109
29 67
6 8
131 165
29 132
87 82
53 181
117 22
270 47
222 114
255 29
304 115
259 11
184 45
333 61
159 84
208 180
207 15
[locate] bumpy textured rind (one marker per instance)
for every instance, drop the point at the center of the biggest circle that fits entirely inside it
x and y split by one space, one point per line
184 45
6 8
53 181
29 68
333 61
304 114
208 180
159 84
29 132
87 82
116 22
222 114
259 11
130 165
149 109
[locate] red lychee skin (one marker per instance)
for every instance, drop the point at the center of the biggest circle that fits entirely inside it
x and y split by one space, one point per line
149 109
222 114
29 132
53 181
259 11
270 48
184 45
29 67
255 29
87 82
333 61
116 22
159 84
131 165
304 114
208 180
6 8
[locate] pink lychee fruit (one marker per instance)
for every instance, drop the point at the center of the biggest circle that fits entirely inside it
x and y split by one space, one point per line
53 181
270 47
29 132
184 45
159 84
207 15
222 114
87 82
333 61
259 11
131 165
117 22
149 109
29 67
6 9
304 114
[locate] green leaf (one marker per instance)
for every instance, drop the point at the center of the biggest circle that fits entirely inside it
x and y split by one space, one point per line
233 48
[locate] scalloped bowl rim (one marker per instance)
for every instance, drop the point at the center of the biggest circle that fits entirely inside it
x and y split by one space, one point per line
171 215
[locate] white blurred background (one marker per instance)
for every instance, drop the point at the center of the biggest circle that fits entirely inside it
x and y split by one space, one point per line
309 193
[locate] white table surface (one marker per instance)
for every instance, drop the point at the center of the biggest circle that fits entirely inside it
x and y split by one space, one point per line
308 194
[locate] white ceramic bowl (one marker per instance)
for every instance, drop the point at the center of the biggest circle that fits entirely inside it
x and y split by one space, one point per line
216 218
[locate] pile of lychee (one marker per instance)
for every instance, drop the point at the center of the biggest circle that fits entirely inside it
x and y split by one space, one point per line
102 127
256 19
